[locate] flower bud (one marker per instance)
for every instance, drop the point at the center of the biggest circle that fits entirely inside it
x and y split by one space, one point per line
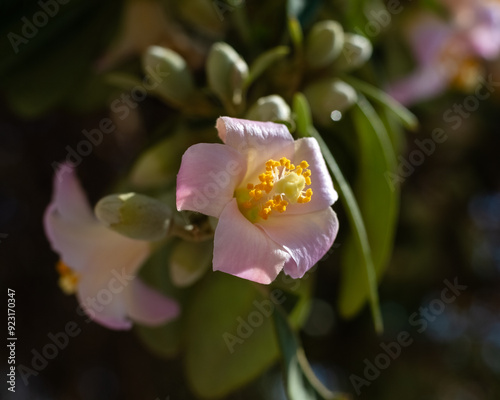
324 43
189 261
226 73
158 165
169 71
356 51
135 215
269 108
329 95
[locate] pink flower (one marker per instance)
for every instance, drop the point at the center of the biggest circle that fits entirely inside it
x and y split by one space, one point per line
449 52
98 264
272 196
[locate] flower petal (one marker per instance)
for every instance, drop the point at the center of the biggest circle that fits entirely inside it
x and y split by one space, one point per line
422 84
92 248
428 36
82 242
207 178
103 306
69 197
149 307
257 141
244 250
306 238
324 195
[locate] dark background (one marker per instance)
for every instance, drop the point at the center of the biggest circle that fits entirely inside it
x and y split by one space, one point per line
449 228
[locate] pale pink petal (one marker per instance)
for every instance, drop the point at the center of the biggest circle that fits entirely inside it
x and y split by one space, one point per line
257 141
324 195
69 197
423 84
103 306
207 178
149 307
306 238
244 250
428 38
91 248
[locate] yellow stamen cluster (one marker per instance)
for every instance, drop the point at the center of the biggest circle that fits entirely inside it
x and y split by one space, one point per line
68 279
281 180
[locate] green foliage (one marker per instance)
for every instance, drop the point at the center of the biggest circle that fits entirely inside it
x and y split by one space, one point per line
378 203
359 233
215 312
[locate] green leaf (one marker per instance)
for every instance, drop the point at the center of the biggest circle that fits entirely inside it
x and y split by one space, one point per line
264 61
296 34
221 355
302 112
300 381
123 80
367 275
164 340
378 201
408 119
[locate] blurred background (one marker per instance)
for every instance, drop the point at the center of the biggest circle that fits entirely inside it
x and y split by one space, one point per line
56 84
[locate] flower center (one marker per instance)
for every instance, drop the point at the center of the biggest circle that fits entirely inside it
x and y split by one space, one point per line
68 279
281 184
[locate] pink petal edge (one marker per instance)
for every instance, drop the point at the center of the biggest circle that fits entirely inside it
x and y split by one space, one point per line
244 250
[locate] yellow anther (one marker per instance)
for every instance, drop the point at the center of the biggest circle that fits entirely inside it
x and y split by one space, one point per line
281 180
68 279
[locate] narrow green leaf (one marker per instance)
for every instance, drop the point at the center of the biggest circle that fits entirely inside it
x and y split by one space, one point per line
123 80
367 275
300 381
408 119
296 34
303 117
264 61
378 201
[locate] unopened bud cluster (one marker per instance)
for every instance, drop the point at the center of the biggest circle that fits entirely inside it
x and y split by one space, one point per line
328 47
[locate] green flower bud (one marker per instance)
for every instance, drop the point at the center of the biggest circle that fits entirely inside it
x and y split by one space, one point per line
226 73
135 216
159 164
269 108
169 71
324 43
357 50
328 98
189 261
